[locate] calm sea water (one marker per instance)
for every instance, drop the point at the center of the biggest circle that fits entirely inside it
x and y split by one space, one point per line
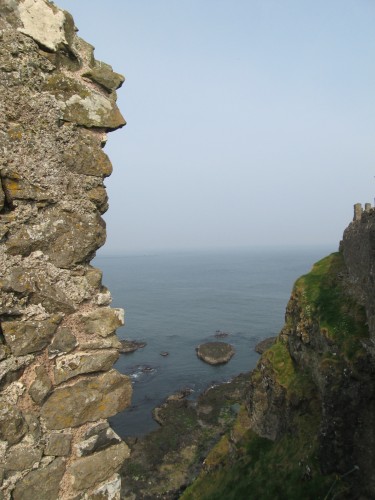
175 301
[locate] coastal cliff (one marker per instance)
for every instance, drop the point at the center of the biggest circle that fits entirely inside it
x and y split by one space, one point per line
309 413
57 330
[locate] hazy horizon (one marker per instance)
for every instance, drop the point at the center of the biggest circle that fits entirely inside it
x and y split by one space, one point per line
249 122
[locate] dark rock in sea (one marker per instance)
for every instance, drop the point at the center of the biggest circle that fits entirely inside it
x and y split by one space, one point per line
265 344
128 346
215 353
219 334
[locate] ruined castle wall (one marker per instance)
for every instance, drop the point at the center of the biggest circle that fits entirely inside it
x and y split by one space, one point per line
358 247
57 329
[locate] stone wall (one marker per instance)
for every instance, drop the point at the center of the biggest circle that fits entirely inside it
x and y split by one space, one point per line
57 331
358 247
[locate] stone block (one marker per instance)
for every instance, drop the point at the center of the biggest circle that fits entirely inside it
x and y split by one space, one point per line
86 158
43 22
41 484
104 75
24 337
87 400
22 456
88 471
58 444
63 342
111 490
99 437
102 321
66 237
41 386
71 365
12 424
11 368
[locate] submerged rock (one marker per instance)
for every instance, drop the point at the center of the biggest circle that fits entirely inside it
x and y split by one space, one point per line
128 346
215 353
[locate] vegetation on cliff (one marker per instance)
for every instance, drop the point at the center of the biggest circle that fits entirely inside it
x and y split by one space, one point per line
287 450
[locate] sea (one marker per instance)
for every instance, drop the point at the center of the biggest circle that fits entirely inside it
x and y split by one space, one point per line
175 301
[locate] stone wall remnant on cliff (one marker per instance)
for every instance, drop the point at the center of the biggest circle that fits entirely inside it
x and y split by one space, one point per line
57 329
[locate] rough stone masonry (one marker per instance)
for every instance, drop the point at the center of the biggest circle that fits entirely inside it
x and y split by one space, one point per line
57 330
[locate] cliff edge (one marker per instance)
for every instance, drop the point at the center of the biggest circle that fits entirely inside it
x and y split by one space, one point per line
307 425
57 331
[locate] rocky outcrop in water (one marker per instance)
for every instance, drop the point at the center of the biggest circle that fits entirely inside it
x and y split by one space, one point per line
57 329
215 353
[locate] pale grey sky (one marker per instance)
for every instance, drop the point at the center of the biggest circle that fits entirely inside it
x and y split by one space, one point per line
250 122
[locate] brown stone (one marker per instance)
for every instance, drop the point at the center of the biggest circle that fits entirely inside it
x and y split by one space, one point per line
58 444
41 386
87 400
86 158
63 342
68 238
24 337
22 456
41 484
104 75
88 471
12 424
71 365
102 321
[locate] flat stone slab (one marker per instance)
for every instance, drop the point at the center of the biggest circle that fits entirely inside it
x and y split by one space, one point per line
215 353
264 345
128 346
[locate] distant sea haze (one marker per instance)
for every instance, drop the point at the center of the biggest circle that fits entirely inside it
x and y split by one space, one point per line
177 300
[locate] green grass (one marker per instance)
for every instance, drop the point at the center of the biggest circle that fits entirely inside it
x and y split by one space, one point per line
325 298
264 470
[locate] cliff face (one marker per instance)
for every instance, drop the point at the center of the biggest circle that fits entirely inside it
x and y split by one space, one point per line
311 401
57 331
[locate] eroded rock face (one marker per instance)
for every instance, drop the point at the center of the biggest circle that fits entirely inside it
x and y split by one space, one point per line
57 331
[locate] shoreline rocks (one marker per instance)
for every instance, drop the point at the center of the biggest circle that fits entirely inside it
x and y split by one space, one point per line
264 344
128 346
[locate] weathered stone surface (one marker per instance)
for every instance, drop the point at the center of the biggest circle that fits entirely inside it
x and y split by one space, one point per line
104 75
24 337
2 197
53 124
99 436
88 471
41 386
41 484
102 321
87 400
93 110
12 424
111 490
63 342
83 105
58 444
215 353
71 365
43 22
67 238
101 343
22 456
34 429
12 367
85 158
